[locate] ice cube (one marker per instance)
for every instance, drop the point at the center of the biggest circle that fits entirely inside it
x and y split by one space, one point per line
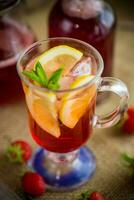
83 67
65 82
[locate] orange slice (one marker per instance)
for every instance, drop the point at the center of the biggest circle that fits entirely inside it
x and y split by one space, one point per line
74 105
59 56
42 107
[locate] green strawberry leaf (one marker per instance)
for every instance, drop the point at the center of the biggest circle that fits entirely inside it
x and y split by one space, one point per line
129 160
41 74
84 196
14 154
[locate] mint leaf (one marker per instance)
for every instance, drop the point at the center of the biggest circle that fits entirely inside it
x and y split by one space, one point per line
55 76
53 86
40 77
32 75
41 73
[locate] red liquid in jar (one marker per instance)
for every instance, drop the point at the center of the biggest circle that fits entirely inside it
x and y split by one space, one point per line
70 139
98 31
14 37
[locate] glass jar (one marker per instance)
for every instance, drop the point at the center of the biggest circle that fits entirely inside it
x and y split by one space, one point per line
14 37
92 21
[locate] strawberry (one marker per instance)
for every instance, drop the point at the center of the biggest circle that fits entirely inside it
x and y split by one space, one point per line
91 196
96 196
33 184
128 126
131 112
19 151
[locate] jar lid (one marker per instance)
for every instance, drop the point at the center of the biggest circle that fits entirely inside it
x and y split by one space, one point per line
6 5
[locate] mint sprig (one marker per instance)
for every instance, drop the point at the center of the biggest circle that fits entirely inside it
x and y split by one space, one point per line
54 79
84 196
39 75
32 75
128 160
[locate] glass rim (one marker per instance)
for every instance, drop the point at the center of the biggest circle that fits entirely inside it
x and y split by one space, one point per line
40 42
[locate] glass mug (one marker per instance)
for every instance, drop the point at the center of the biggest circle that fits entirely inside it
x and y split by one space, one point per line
62 160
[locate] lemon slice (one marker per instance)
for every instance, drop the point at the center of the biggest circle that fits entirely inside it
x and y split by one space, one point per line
75 104
59 56
42 107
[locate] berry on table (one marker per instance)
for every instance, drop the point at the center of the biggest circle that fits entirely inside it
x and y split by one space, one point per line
128 126
130 112
33 184
19 151
96 196
91 196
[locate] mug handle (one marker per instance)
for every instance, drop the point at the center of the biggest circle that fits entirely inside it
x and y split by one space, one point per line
110 84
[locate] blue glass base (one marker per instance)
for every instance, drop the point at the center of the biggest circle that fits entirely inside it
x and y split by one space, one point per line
67 172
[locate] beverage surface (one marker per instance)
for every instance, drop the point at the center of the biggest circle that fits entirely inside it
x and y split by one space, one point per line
69 62
61 101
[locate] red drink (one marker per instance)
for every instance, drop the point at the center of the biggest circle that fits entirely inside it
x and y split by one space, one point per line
97 30
14 37
70 139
